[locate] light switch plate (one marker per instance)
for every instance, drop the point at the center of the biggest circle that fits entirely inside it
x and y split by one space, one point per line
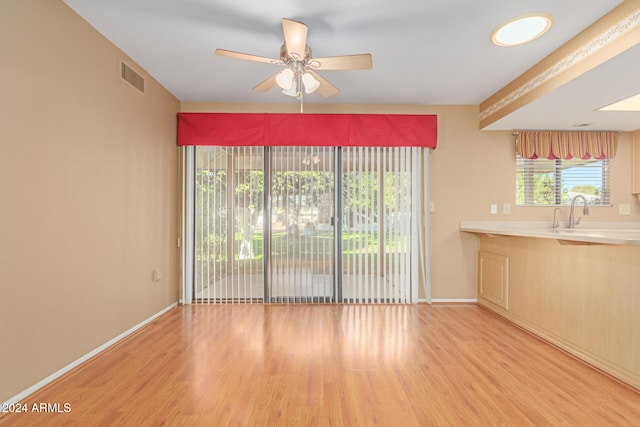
624 209
494 209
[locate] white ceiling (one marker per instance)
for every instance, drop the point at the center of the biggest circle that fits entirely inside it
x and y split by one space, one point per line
424 52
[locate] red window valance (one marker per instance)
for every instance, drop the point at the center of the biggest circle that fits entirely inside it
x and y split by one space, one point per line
264 129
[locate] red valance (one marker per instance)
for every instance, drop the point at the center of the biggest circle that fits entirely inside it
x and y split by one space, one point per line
345 130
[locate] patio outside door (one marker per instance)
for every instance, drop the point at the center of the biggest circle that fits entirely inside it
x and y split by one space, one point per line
228 223
299 184
306 224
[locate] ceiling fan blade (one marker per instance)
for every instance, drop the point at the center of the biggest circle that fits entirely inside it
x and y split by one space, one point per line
348 62
325 89
267 84
295 37
247 56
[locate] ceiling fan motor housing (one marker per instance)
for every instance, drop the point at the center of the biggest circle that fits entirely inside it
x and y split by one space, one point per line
285 57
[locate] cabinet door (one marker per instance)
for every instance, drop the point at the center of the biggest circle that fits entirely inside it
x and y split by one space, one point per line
493 278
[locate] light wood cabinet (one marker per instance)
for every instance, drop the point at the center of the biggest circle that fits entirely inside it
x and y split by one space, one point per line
583 297
493 278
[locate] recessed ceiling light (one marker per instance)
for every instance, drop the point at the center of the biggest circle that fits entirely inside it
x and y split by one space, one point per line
629 104
522 29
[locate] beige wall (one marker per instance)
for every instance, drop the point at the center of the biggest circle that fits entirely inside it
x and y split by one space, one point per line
89 197
88 193
469 170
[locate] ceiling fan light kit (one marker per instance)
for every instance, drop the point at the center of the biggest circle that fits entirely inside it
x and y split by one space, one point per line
299 75
310 84
284 78
293 80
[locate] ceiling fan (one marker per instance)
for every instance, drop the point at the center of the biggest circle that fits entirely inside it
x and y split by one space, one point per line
300 67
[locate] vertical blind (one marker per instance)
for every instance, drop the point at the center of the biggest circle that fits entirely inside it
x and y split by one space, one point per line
266 223
301 214
376 232
228 225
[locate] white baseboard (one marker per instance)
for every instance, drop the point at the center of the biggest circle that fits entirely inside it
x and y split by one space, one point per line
454 300
18 397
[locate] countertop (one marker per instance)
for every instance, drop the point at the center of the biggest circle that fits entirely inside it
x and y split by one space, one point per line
611 233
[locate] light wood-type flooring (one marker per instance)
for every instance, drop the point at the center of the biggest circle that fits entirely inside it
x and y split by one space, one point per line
338 365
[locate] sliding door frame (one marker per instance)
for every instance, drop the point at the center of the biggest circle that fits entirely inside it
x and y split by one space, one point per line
266 222
337 225
189 230
293 279
420 248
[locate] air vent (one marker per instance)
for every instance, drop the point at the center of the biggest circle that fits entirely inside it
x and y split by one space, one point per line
131 77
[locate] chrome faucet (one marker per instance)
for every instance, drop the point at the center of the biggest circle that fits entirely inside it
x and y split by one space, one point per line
556 223
585 210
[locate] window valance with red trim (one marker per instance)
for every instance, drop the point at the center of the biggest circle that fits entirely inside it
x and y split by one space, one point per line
566 145
345 130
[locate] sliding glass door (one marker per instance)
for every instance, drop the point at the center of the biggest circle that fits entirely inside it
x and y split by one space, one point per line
306 224
229 199
376 229
300 216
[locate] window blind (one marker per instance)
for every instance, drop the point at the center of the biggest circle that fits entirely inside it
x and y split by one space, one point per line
301 232
272 226
377 197
228 225
557 182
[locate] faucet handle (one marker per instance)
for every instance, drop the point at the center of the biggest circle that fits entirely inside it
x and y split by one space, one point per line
556 222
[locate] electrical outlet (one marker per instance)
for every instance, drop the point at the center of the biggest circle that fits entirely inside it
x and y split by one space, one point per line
432 207
156 275
624 209
494 209
506 209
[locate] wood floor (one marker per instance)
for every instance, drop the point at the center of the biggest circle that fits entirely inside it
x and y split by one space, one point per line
339 365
